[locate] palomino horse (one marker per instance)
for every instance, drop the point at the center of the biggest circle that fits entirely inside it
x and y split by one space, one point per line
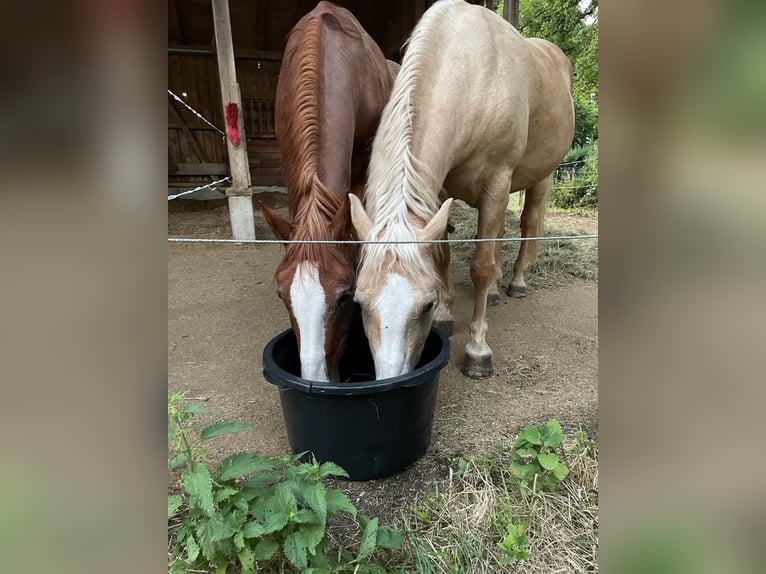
482 112
333 85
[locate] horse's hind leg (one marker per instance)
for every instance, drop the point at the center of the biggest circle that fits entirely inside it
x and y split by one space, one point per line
443 318
531 226
478 356
493 296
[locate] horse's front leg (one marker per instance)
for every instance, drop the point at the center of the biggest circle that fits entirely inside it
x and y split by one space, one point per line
478 356
443 318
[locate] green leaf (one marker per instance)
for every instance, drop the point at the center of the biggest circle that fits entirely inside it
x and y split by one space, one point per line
274 521
312 536
315 497
192 549
174 503
224 493
524 471
337 502
194 410
526 452
331 469
216 529
178 462
199 484
560 471
241 464
548 461
369 538
222 568
253 530
389 538
239 540
306 516
265 549
285 499
220 429
531 435
295 550
261 479
554 433
247 560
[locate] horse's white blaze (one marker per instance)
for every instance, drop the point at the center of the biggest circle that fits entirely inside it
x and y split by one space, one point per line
308 305
394 305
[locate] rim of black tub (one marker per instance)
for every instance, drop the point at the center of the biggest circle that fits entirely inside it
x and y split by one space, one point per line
424 373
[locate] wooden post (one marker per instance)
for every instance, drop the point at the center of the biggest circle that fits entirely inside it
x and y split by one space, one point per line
240 193
511 12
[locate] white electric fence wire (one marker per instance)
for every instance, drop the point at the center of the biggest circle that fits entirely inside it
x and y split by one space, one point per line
188 191
196 113
358 242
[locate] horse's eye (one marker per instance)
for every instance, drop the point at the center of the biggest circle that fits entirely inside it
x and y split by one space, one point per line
344 298
279 294
427 307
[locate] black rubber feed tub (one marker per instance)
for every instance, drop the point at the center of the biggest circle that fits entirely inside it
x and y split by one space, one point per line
370 428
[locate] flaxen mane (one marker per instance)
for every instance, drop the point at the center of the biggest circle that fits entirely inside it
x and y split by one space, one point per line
395 188
312 206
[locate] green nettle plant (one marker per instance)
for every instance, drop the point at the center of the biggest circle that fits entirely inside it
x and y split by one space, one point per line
534 458
514 543
257 512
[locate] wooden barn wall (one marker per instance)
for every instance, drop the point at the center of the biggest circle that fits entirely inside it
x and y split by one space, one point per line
197 76
256 25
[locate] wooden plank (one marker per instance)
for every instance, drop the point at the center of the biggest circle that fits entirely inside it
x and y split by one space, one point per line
199 169
201 155
242 54
239 194
511 12
176 20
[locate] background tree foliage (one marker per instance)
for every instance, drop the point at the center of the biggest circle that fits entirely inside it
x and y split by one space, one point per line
573 26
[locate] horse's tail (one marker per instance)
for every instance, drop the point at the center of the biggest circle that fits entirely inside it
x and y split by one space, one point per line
546 184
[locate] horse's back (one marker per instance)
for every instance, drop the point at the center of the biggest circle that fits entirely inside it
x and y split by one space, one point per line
499 101
333 84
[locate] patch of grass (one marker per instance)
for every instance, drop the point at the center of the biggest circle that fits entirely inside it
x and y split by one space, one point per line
557 262
482 521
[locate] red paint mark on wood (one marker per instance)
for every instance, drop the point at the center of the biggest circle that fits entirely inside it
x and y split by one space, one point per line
232 125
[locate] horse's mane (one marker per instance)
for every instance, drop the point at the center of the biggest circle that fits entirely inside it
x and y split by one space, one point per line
312 206
395 187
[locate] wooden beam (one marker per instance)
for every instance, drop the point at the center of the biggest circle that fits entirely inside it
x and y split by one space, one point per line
176 18
511 12
187 132
187 169
239 194
266 55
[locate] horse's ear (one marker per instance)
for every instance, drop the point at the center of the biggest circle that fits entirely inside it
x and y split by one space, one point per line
279 225
359 218
438 225
339 225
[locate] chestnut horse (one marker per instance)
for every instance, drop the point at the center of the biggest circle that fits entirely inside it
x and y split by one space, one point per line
333 85
481 111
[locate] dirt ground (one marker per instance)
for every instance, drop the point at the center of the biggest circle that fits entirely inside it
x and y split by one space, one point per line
223 309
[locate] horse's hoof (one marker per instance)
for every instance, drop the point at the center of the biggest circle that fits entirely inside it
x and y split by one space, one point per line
493 299
477 367
446 327
516 291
